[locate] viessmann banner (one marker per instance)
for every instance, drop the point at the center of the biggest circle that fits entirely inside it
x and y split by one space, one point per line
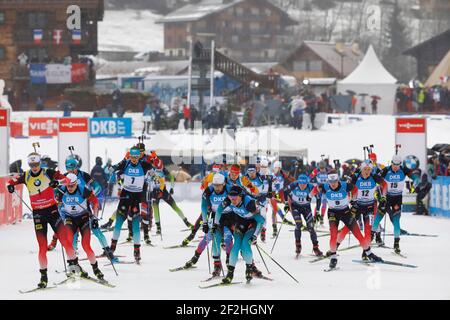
43 127
111 127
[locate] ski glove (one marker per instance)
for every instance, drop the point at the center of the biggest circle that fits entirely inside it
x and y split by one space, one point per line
253 240
171 191
54 184
94 223
215 227
10 188
286 208
205 227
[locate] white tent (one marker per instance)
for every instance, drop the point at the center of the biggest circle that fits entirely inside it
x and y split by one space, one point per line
162 142
370 77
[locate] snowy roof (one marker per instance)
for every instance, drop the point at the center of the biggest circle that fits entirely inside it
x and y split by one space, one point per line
327 51
195 11
370 71
114 68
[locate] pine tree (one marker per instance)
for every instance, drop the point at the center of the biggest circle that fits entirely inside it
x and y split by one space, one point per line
396 43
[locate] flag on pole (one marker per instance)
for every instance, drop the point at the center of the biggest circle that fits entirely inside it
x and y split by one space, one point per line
37 36
76 36
57 36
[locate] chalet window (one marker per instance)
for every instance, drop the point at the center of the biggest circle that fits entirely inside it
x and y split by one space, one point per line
255 11
180 52
2 17
315 65
37 20
238 25
235 39
2 53
254 26
299 66
256 40
171 53
239 11
201 24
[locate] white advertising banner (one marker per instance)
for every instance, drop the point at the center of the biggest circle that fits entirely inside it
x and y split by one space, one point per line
4 142
411 135
73 132
58 73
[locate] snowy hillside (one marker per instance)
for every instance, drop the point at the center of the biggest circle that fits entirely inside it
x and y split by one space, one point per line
130 30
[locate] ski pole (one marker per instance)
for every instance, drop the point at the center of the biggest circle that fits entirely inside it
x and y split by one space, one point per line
21 199
104 200
278 233
64 257
209 259
384 230
265 265
259 248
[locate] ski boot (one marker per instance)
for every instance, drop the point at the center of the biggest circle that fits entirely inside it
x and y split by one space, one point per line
320 219
113 245
317 251
248 273
75 269
368 255
158 228
275 230
263 235
329 253
137 253
397 245
186 241
378 239
107 225
146 234
147 238
217 269
97 271
229 276
193 260
52 244
188 224
44 280
333 263
130 236
107 252
255 271
298 248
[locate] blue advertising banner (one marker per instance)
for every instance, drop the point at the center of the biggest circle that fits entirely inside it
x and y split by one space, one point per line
440 197
111 127
37 73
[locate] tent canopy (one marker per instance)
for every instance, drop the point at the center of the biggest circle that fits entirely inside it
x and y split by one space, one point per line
442 70
370 71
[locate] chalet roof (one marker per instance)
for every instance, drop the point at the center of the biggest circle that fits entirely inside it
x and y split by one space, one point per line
444 36
327 51
196 11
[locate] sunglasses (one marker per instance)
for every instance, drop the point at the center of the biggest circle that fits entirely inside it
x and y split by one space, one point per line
233 197
34 165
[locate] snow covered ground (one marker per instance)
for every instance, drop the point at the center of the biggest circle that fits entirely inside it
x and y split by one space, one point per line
152 279
130 30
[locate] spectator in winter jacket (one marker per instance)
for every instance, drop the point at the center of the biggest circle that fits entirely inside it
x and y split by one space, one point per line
422 189
98 174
